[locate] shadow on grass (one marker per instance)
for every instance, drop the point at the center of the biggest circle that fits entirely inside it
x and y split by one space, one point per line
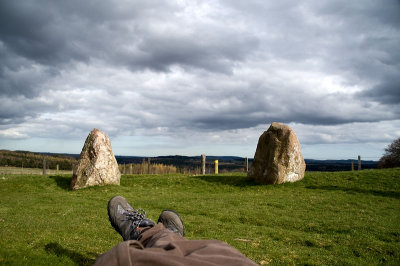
59 251
231 180
390 194
62 182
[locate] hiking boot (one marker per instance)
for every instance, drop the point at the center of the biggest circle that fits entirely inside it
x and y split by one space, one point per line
127 221
172 221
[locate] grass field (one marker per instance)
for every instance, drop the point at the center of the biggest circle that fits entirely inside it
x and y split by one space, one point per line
341 218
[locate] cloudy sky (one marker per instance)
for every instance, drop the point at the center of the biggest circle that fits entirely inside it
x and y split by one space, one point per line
191 77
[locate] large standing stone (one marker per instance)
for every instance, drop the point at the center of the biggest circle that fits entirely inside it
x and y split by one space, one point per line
97 164
278 157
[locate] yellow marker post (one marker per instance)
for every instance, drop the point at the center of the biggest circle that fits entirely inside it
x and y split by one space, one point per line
216 167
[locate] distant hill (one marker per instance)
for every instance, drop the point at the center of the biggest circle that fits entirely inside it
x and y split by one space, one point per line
226 163
337 165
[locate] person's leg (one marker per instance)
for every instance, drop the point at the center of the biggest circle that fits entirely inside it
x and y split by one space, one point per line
151 244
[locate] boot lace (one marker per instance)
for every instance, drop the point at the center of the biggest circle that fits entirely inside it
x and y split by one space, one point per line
136 217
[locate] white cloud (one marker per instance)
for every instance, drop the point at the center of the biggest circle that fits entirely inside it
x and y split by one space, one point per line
12 133
211 70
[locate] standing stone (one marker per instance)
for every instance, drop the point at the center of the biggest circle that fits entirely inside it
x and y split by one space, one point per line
278 157
97 164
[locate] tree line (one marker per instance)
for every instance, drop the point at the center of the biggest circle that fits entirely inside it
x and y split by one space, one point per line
26 159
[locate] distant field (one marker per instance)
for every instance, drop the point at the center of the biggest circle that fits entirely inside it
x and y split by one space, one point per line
340 218
29 171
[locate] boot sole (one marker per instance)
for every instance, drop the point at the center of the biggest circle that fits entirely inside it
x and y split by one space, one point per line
180 219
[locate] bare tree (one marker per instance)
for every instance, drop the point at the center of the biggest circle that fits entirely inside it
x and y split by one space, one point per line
391 158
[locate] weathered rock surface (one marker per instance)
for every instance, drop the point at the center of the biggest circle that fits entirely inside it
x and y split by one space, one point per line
278 157
97 164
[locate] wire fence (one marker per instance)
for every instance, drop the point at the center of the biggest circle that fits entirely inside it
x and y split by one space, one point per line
8 170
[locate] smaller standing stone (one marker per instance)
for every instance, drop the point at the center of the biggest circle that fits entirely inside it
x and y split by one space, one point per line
97 164
278 157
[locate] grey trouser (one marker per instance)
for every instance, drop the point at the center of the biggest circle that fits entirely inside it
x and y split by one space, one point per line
159 246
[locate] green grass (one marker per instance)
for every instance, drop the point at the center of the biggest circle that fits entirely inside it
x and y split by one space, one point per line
327 218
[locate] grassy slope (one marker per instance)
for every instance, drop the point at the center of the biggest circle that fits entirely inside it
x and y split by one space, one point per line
327 218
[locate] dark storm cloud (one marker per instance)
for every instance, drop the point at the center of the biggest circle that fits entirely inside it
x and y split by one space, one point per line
162 52
40 39
33 30
57 33
357 40
387 92
218 65
300 107
19 109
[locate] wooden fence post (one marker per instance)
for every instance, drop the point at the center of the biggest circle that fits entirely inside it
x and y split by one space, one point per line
148 166
247 164
216 167
130 169
352 166
57 169
203 164
44 166
359 162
